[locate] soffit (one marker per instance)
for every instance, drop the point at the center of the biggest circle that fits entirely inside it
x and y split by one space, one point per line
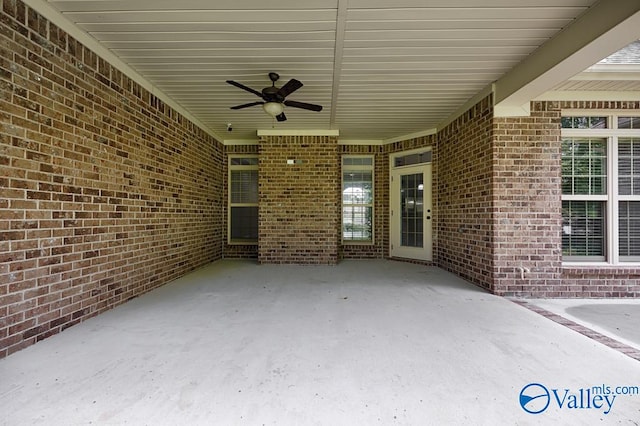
380 68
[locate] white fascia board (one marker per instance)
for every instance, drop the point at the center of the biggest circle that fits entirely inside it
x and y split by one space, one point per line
272 132
619 75
366 142
411 136
45 9
602 30
240 142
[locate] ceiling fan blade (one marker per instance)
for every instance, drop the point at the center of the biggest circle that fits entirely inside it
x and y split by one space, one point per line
303 105
291 86
243 87
250 104
281 117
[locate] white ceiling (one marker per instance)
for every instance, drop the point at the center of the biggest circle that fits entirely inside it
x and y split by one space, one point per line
380 68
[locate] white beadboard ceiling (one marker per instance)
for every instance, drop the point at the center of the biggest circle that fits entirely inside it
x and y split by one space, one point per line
380 68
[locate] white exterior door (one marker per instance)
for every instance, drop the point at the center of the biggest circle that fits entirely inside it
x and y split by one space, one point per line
411 212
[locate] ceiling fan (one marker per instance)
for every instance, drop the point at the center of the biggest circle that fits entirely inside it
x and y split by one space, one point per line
273 98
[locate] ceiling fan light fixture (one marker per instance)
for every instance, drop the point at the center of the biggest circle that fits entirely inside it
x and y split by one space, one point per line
273 108
274 98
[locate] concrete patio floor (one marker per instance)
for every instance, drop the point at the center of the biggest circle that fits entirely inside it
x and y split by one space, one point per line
361 343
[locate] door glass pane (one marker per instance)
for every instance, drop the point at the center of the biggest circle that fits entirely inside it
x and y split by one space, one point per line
411 207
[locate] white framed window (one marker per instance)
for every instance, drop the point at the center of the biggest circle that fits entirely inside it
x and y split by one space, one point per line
601 187
357 199
243 200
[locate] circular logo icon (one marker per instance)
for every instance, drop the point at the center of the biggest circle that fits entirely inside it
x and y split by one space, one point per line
534 398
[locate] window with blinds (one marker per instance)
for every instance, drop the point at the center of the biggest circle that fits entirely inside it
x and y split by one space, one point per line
629 194
357 199
629 230
601 188
243 200
583 226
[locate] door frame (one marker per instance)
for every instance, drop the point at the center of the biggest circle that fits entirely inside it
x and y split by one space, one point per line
395 248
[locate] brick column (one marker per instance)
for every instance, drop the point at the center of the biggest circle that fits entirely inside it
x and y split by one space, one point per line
299 204
463 227
527 203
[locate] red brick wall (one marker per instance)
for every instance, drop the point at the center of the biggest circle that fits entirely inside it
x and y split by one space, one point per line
464 196
105 193
299 214
527 204
347 251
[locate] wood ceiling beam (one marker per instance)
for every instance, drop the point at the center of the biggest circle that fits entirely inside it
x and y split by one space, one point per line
602 30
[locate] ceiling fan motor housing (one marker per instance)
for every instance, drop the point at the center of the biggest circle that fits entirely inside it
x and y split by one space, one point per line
270 94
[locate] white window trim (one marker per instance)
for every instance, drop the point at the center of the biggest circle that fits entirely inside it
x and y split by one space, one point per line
612 199
230 204
370 168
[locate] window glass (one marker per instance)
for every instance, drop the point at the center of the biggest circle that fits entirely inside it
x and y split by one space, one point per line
628 122
629 229
357 161
629 166
357 187
411 159
596 122
357 223
244 186
583 228
584 166
244 161
244 224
